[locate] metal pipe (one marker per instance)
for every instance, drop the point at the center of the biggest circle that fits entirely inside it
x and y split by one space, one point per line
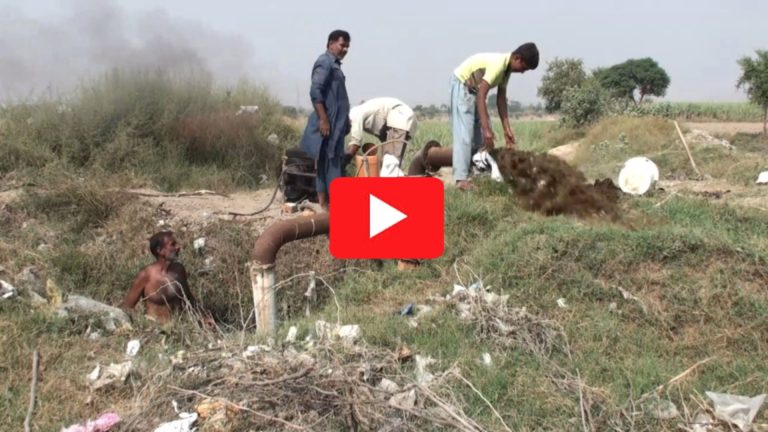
263 257
431 158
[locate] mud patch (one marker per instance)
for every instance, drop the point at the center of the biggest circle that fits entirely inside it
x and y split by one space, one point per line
546 184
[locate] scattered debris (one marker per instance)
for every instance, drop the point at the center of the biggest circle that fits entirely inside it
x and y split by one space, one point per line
505 325
184 424
422 375
291 336
738 410
31 280
132 348
700 137
762 178
199 245
7 290
407 309
486 359
115 373
662 409
103 423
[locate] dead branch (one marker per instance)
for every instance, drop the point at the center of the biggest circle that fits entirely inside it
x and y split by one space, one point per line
174 195
32 390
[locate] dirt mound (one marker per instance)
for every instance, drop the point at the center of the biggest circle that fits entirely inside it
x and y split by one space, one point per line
546 184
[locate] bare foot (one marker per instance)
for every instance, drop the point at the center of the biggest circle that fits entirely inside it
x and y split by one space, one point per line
465 185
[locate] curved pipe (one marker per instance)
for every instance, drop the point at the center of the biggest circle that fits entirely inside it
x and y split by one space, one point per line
263 257
285 231
431 158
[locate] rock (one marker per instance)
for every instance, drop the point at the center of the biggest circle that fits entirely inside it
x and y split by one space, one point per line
111 317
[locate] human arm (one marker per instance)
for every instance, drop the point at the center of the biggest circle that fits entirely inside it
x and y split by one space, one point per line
136 291
318 89
501 104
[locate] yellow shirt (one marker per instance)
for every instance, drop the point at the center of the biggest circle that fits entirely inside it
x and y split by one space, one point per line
493 68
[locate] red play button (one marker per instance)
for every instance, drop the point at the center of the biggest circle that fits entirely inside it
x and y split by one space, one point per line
386 218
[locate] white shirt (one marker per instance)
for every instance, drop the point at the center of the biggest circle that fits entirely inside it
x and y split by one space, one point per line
374 114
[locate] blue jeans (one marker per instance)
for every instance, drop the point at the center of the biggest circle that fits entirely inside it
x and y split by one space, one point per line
467 135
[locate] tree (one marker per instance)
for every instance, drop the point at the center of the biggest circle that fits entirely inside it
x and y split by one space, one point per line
643 76
584 105
561 74
754 80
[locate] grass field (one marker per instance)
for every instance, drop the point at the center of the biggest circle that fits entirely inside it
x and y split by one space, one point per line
679 281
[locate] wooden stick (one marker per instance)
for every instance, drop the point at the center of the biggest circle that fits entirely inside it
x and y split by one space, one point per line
687 150
32 390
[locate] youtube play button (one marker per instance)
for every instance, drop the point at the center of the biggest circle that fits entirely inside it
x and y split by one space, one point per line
386 218
381 216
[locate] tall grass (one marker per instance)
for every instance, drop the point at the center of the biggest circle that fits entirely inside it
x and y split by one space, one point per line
170 130
709 111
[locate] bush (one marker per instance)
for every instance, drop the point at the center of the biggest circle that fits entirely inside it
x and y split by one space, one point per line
584 105
139 122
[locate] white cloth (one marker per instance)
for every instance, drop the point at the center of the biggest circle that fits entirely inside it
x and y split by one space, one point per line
373 115
484 162
390 167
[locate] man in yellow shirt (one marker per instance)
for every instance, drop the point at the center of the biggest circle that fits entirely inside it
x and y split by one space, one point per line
470 83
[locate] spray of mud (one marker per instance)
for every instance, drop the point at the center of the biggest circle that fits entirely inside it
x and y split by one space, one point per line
546 184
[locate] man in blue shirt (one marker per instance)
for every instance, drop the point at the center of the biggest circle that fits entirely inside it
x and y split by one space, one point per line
329 123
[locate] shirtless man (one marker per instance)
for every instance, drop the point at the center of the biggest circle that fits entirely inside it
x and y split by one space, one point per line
163 284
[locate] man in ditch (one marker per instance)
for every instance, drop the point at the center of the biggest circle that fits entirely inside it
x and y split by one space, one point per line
162 285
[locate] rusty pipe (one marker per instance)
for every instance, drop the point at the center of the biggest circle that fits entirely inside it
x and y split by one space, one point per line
285 231
431 158
263 256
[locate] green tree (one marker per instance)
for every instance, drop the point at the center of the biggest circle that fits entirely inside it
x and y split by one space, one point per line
561 74
585 104
642 76
754 80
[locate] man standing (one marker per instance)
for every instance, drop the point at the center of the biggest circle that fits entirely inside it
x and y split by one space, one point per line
328 124
390 120
470 83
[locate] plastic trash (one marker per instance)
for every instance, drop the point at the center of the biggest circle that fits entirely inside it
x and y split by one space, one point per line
762 178
199 245
638 175
184 424
291 336
103 423
132 348
486 359
738 410
407 309
484 162
114 373
562 303
7 290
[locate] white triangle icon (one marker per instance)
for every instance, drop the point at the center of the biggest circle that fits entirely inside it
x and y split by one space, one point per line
382 216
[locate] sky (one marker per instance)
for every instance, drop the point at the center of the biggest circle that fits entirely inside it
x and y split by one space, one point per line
400 48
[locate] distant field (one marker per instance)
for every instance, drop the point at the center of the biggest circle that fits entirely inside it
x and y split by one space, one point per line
711 111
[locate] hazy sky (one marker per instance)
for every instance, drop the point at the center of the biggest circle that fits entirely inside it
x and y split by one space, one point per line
400 48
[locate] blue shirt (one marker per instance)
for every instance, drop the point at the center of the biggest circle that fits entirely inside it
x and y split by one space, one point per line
329 88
